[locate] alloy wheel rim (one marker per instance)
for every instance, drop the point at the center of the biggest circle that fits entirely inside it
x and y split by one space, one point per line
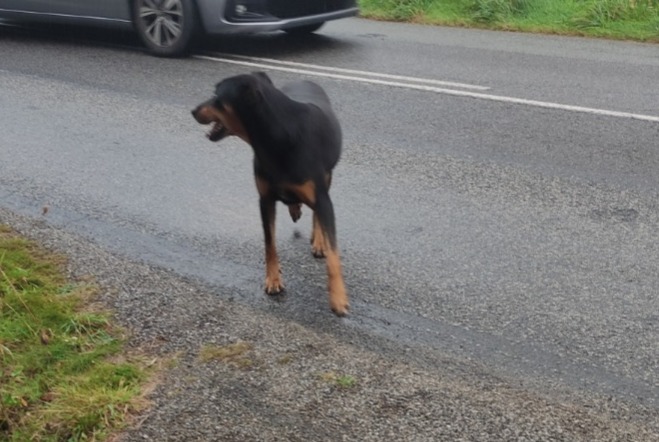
162 21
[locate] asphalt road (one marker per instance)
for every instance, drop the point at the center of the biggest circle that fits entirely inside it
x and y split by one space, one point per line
506 217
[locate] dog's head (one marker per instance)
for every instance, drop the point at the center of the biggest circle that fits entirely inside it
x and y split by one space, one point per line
232 96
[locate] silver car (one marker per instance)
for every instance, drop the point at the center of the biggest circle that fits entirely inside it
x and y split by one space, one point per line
169 27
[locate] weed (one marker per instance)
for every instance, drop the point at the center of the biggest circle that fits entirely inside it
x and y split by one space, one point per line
285 359
346 381
233 354
490 11
341 381
400 10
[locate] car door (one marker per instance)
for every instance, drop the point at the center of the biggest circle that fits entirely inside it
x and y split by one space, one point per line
112 9
26 5
108 9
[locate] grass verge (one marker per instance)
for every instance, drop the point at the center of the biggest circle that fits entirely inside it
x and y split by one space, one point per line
620 19
63 374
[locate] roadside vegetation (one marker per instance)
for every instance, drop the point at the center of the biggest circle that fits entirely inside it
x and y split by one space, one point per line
343 381
619 19
63 373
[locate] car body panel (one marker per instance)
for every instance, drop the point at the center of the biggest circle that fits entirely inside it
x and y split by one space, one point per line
90 9
224 26
107 13
117 13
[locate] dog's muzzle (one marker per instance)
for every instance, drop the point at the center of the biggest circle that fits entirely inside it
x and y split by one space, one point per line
204 115
217 132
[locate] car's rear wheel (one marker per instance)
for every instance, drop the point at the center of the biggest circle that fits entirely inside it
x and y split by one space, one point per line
303 30
167 27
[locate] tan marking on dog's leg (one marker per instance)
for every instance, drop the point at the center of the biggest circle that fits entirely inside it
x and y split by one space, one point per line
262 186
274 283
317 239
338 298
273 280
306 192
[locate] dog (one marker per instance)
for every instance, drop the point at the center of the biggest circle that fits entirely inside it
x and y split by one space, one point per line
296 139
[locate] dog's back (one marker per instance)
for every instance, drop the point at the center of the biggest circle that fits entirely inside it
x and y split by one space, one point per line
308 92
329 132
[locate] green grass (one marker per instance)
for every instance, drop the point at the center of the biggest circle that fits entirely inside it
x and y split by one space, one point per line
620 19
62 374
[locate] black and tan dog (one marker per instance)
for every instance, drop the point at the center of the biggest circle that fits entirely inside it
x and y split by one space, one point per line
296 140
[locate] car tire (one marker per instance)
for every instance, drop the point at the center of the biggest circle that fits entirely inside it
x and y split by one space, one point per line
304 30
167 27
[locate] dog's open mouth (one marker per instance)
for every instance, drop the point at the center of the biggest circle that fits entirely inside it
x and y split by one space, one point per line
217 132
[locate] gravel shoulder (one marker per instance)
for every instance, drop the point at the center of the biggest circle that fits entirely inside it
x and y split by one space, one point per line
273 379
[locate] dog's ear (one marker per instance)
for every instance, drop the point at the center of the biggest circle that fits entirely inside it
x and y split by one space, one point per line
241 88
252 92
219 89
263 76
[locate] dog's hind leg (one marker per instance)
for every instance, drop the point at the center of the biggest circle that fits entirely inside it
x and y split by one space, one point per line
338 298
314 194
317 237
267 204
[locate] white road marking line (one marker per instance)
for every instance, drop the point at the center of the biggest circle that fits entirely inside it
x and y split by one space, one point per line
454 92
355 72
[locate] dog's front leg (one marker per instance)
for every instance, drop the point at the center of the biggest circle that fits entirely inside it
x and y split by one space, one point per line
273 280
267 203
317 238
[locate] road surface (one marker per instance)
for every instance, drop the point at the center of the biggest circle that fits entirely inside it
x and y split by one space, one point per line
496 200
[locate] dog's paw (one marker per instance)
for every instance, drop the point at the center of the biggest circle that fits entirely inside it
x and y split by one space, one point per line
340 307
317 252
317 246
295 211
338 300
274 285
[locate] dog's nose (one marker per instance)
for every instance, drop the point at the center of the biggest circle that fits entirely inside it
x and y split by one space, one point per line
195 114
